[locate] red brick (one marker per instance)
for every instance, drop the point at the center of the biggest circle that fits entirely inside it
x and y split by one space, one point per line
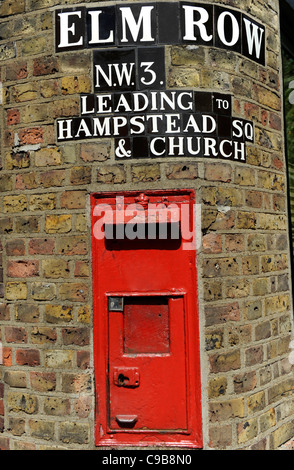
15 247
275 121
222 314
16 335
83 359
43 381
45 66
16 71
41 246
7 356
212 243
26 181
4 443
81 269
30 136
218 172
23 268
4 312
28 357
13 117
77 336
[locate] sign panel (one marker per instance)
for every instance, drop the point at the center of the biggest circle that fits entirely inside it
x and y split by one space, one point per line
130 101
160 24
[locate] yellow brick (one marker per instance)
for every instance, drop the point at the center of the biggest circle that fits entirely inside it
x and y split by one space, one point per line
72 85
16 291
58 223
15 203
42 202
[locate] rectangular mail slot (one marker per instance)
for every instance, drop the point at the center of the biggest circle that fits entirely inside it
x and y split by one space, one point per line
146 335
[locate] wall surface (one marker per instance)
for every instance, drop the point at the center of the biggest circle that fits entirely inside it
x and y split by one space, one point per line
47 395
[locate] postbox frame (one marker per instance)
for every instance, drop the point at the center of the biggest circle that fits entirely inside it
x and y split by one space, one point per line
103 435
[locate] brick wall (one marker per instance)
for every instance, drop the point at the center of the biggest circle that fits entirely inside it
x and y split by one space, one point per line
46 380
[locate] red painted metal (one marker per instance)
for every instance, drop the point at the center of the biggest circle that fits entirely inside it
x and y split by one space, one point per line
146 334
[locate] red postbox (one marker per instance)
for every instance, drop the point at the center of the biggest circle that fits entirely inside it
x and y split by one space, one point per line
146 335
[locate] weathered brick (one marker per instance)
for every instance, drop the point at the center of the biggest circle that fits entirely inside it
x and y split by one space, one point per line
27 313
23 268
17 71
180 171
58 223
16 291
42 429
220 437
145 173
221 314
43 381
35 45
56 406
281 435
58 358
17 426
247 430
221 267
254 355
52 178
17 160
43 335
47 157
74 433
26 181
28 357
77 336
218 172
28 136
27 224
58 314
16 335
76 292
83 406
24 92
45 66
42 202
8 8
217 387
225 362
81 175
41 246
55 268
76 84
22 402
15 247
15 203
43 291
15 379
73 200
212 243
83 360
98 152
245 382
81 269
13 116
72 245
225 410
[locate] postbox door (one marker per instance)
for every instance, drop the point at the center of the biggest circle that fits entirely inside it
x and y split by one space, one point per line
145 324
147 364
